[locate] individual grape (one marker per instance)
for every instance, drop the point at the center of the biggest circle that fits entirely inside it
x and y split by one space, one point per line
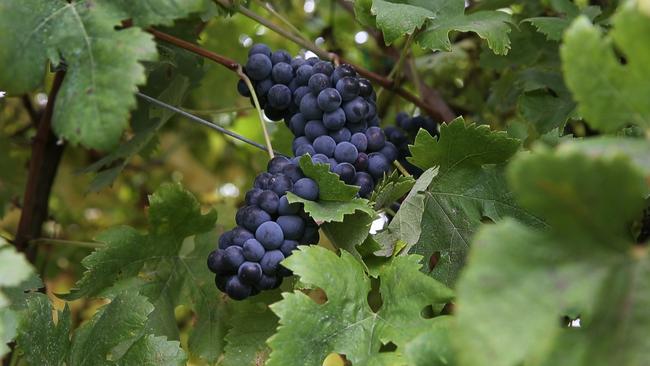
297 124
292 171
346 152
225 240
270 235
314 129
279 96
288 246
389 151
400 117
361 163
249 273
365 88
318 82
325 145
296 62
346 171
303 73
271 261
376 138
233 256
258 66
242 89
306 188
260 48
262 180
341 72
324 67
215 261
252 196
240 235
364 180
268 202
302 140
286 208
267 282
320 159
378 165
332 163
329 99
280 184
360 141
299 93
313 60
280 56
236 289
340 135
396 136
374 122
409 124
253 250
372 114
355 110
251 217
292 226
348 87
262 89
334 120
309 107
305 149
282 73
277 164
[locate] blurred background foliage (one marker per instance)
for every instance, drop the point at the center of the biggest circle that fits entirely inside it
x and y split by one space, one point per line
482 87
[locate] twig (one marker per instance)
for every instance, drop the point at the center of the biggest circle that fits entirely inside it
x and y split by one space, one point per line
43 165
202 121
84 244
401 168
251 89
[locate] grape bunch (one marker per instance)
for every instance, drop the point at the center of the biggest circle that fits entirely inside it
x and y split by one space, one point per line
330 110
269 228
403 134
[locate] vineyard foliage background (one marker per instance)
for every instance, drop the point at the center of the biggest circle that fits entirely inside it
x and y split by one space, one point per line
523 242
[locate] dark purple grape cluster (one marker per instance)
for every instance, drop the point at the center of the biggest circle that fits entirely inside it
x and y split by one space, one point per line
269 228
403 134
330 110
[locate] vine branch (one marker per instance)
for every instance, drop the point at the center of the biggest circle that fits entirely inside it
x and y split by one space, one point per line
43 165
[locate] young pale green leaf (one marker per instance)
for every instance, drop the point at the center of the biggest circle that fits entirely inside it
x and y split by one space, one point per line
332 211
595 74
391 188
346 324
397 18
461 145
522 281
331 188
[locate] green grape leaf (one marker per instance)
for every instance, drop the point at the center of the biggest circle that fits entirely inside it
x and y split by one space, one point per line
350 233
545 111
637 150
391 188
436 19
115 335
433 347
522 280
252 323
363 13
346 324
461 145
103 63
444 210
594 73
332 211
331 188
551 27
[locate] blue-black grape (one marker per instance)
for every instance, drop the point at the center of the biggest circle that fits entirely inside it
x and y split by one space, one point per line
324 67
299 93
242 89
313 60
365 181
258 66
252 196
297 124
303 73
288 246
320 159
309 107
268 201
314 129
361 163
282 73
348 87
240 235
378 165
346 152
225 240
329 99
236 289
318 83
334 120
233 257
280 184
311 235
279 96
305 149
358 127
376 138
252 216
389 151
267 282
346 171
280 56
253 250
324 145
360 141
341 72
271 261
262 88
270 235
292 171
260 48
262 180
296 62
286 208
340 135
306 188
215 261
292 226
249 272
356 110
365 88
277 164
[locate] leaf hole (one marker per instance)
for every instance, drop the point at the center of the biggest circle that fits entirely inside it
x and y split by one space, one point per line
486 220
318 295
427 312
388 347
336 359
374 296
434 259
